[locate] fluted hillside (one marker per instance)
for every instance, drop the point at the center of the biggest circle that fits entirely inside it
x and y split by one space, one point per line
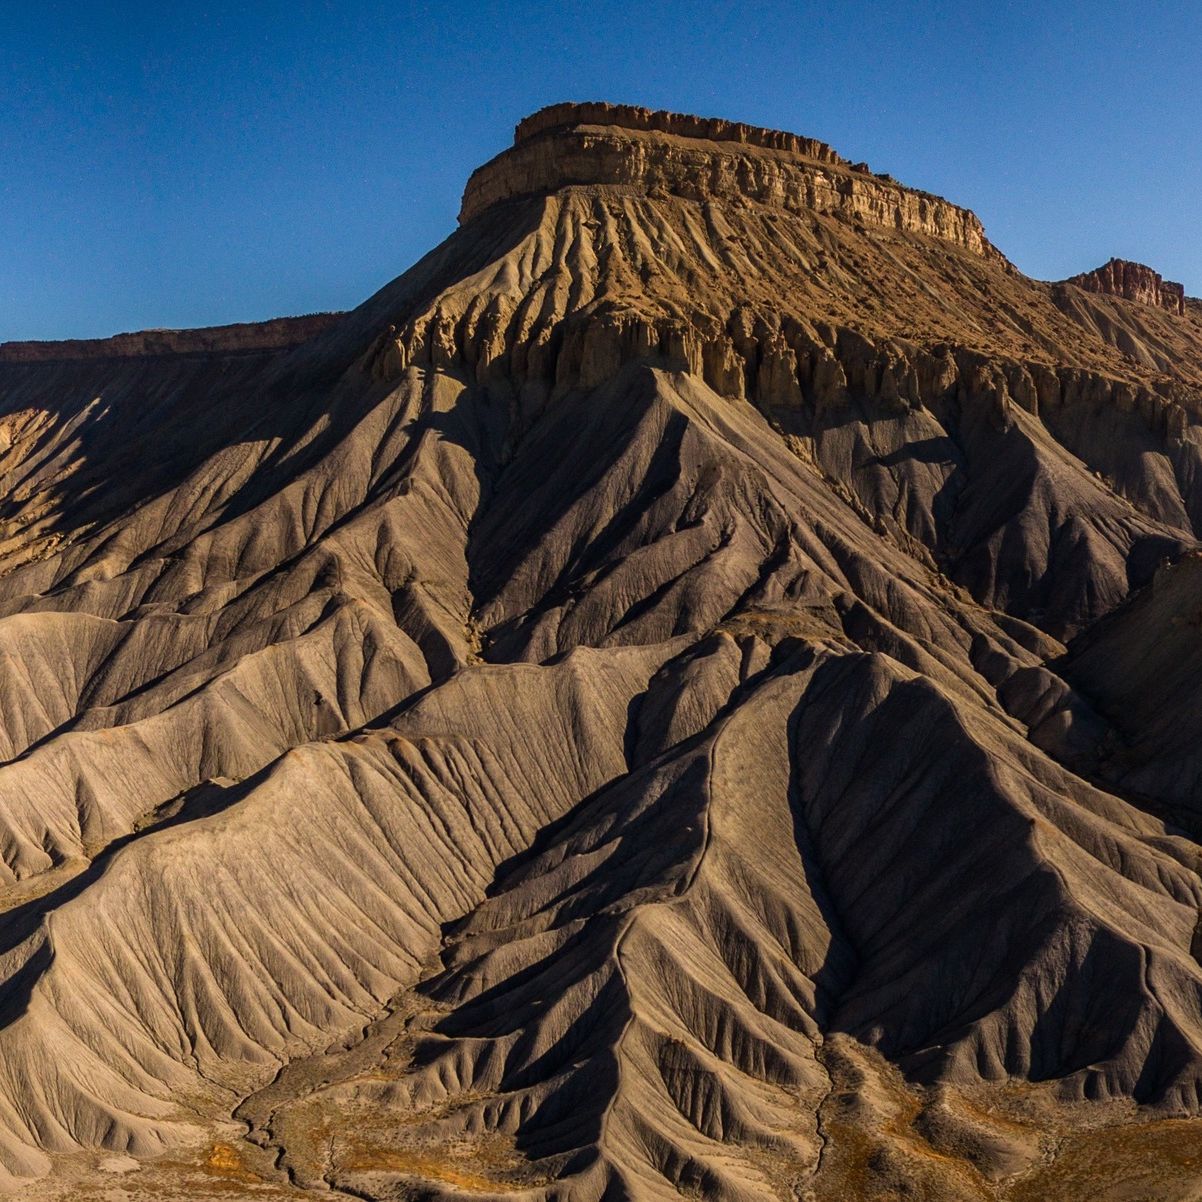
684 692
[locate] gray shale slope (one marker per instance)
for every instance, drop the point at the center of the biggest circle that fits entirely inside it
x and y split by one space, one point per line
690 690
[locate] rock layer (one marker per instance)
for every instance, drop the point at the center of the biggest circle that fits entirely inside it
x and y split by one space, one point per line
617 147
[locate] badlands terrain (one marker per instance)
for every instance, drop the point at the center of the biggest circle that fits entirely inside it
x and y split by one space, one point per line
690 691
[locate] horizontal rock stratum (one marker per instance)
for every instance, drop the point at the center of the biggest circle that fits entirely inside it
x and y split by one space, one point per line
687 691
639 151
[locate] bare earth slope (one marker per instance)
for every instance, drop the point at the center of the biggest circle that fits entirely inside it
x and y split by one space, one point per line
684 692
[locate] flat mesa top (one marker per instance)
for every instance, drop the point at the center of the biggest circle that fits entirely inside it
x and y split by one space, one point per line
682 125
600 145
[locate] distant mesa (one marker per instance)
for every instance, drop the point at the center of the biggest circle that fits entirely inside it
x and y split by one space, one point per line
617 149
1133 282
275 334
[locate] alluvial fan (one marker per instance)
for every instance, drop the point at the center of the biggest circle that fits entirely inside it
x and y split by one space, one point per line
688 691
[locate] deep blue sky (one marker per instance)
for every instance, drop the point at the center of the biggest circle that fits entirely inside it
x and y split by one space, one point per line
191 163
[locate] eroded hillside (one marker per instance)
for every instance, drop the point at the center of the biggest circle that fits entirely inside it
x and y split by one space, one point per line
669 697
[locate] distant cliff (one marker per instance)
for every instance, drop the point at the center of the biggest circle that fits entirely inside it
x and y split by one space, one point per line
1133 282
277 333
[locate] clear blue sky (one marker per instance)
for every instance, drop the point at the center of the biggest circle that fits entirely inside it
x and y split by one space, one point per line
176 164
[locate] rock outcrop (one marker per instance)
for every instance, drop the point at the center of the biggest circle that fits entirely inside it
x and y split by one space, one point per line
677 694
623 148
1133 282
557 117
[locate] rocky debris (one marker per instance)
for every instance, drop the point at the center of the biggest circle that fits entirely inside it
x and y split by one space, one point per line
275 334
1133 282
597 720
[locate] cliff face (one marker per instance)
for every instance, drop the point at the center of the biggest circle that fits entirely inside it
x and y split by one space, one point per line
709 129
680 693
1133 282
622 149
